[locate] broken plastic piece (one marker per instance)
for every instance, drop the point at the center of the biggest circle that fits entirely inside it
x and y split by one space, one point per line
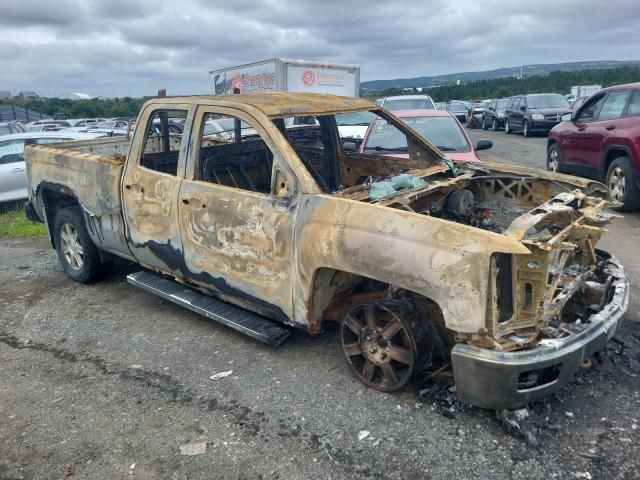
384 188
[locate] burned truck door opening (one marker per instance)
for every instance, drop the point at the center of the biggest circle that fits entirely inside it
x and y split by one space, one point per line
150 186
230 221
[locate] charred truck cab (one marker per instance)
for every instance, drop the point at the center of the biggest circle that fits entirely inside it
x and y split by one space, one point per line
257 216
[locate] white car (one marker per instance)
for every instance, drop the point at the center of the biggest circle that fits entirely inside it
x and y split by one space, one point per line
13 177
407 102
46 125
83 122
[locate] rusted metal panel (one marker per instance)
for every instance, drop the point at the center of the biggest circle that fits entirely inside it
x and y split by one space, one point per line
281 104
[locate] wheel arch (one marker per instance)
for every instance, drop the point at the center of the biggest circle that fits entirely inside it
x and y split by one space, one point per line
53 198
613 152
333 291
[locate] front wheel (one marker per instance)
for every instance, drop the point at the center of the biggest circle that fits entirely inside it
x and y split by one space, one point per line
383 343
622 188
525 129
485 125
77 254
507 127
494 125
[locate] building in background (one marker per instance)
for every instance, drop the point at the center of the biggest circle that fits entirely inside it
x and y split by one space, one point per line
27 94
5 94
75 96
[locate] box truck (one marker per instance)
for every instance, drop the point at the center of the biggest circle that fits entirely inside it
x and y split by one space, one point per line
282 75
578 91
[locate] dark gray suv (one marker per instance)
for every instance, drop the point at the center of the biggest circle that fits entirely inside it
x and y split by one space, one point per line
535 113
493 115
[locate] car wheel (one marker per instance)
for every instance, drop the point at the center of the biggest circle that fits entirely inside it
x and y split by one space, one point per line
621 185
553 159
494 125
77 254
485 126
385 342
525 129
507 128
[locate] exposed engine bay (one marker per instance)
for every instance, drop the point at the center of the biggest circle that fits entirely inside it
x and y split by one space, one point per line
563 280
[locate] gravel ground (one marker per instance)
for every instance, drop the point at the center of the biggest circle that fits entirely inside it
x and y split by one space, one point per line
110 381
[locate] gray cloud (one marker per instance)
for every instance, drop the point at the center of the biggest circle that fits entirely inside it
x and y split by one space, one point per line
134 47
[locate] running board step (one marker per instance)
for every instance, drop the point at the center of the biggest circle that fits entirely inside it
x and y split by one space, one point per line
249 323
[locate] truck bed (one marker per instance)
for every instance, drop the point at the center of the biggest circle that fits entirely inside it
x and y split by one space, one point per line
91 169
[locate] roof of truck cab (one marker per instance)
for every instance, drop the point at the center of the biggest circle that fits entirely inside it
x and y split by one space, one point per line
280 104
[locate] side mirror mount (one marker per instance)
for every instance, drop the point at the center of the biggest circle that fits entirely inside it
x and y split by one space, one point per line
349 146
567 117
484 144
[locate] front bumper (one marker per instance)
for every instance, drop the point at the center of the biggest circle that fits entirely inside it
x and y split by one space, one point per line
495 380
542 125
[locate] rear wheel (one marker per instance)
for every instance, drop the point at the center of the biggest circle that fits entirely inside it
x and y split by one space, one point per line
384 343
553 159
507 127
77 254
622 187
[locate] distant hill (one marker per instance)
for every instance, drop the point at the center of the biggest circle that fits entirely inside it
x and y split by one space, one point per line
536 69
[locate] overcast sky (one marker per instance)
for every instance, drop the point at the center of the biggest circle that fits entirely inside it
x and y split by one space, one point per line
134 47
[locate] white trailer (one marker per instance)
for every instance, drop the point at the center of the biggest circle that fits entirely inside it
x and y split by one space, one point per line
578 91
282 75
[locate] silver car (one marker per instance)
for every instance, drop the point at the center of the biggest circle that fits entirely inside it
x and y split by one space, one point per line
13 177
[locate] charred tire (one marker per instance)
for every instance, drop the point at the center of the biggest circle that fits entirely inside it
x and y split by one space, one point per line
77 254
553 159
494 125
621 185
507 127
525 129
385 342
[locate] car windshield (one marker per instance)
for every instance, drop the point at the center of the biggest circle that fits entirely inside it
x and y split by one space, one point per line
355 119
443 132
457 107
547 101
409 104
502 104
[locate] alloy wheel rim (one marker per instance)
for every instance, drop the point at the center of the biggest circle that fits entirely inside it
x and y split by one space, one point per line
378 346
71 246
617 184
553 161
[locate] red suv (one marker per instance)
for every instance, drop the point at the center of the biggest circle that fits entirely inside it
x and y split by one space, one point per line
601 140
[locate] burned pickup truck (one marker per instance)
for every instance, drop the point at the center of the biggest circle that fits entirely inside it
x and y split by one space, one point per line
264 223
